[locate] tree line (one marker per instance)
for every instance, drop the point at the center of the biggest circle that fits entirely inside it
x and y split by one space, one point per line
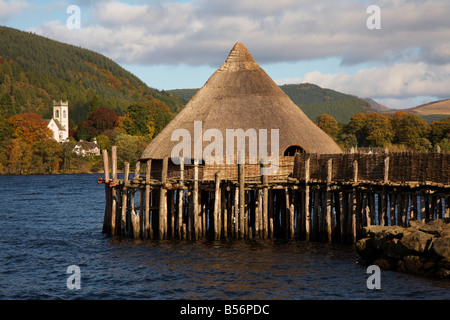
27 145
400 131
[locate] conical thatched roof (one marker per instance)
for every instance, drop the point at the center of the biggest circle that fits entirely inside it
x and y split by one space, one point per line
240 95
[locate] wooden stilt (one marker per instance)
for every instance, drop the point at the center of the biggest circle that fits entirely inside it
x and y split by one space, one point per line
124 198
180 200
241 171
447 207
195 201
114 190
147 226
328 198
163 201
270 213
107 215
217 207
134 216
265 200
306 201
224 204
353 208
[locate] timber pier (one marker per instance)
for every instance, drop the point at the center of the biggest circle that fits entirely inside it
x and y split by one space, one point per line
315 197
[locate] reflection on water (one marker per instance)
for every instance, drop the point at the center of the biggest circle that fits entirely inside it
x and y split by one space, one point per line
47 226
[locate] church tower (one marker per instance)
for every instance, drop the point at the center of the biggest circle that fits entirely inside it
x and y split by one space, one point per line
61 113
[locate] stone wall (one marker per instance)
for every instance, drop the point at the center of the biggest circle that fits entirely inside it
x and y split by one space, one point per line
421 249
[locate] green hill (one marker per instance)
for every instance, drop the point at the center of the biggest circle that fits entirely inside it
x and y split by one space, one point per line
35 70
312 99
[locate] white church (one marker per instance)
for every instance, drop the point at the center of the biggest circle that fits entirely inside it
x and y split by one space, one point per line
59 124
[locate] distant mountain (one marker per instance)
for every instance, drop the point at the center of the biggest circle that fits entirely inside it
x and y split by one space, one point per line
35 70
312 99
436 107
432 111
376 106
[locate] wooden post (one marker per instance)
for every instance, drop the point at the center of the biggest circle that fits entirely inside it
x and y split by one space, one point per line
163 200
258 214
339 214
180 201
114 190
354 205
124 198
405 203
217 207
328 198
392 204
196 224
236 213
439 211
306 201
137 171
148 232
372 215
224 205
413 208
241 171
383 206
422 206
352 220
265 201
386 170
384 196
447 207
316 215
106 218
291 220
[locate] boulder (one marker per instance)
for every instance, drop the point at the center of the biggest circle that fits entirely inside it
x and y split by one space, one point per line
381 234
441 247
416 242
433 227
422 248
412 264
393 249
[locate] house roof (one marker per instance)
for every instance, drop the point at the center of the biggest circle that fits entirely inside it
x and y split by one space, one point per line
58 124
240 95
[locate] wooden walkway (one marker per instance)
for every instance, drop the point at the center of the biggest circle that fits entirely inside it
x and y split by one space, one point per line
319 198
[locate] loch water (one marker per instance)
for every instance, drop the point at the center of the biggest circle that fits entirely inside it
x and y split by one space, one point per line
51 222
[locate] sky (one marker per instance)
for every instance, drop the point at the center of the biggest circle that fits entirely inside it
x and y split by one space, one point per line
394 51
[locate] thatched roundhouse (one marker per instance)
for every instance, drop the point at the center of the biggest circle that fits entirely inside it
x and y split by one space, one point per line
240 95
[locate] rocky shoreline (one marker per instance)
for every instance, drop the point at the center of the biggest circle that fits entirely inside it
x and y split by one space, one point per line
421 249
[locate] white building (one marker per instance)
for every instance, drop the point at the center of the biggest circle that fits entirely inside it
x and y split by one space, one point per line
59 124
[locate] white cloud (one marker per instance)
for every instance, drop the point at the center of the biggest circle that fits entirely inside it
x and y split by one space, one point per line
386 83
9 9
275 31
411 51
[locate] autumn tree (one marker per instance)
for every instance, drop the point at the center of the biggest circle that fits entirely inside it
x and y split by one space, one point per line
146 118
371 129
32 148
328 124
440 130
410 130
99 120
129 148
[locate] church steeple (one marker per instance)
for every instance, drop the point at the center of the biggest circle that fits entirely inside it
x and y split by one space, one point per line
61 113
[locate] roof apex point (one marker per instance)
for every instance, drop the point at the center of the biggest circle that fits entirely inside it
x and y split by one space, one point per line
239 53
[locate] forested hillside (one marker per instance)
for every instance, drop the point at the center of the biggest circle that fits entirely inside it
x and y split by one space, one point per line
35 70
312 99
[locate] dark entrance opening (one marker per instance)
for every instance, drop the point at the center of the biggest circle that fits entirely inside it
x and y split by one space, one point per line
292 150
